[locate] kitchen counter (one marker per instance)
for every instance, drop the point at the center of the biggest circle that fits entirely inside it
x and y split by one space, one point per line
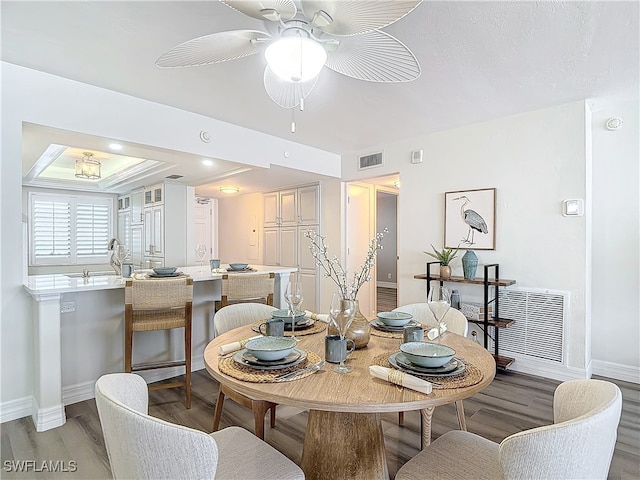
61 283
79 334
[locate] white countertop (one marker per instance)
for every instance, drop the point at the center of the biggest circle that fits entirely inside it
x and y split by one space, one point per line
61 283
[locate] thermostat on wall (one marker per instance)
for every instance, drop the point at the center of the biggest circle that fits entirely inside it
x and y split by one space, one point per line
573 207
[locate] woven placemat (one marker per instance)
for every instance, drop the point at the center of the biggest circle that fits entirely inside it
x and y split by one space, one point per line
317 327
246 374
470 376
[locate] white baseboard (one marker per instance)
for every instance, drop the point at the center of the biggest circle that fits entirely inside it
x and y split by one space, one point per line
86 391
547 370
14 409
47 418
618 371
387 285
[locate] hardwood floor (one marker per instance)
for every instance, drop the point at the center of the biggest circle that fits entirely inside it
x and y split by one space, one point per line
513 402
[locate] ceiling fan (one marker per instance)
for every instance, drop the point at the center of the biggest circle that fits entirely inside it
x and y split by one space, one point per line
305 35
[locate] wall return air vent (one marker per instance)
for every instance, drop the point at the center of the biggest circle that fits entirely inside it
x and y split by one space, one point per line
370 160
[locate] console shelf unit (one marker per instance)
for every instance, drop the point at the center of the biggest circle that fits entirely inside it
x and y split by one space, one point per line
496 321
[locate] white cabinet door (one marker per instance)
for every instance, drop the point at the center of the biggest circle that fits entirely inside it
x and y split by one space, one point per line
306 262
309 205
124 227
154 231
288 247
137 251
148 231
271 246
271 209
289 207
137 198
310 289
158 231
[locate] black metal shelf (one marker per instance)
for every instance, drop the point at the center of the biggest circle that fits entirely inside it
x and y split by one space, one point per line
496 321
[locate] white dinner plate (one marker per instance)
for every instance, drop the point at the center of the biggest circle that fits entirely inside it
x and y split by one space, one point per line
239 358
445 371
377 324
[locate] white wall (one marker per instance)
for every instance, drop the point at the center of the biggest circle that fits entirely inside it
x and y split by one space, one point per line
32 96
616 243
535 160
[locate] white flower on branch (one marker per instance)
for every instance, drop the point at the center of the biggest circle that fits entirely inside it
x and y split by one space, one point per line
332 268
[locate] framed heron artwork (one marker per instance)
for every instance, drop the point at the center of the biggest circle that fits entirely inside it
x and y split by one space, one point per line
470 219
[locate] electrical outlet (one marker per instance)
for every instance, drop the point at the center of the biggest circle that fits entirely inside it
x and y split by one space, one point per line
66 307
389 276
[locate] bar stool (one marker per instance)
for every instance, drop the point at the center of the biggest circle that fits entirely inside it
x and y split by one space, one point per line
159 304
246 287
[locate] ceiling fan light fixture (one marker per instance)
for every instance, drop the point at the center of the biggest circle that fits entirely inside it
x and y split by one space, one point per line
296 59
229 189
88 167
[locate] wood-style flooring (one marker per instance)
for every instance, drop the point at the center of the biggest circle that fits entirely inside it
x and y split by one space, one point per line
513 402
387 299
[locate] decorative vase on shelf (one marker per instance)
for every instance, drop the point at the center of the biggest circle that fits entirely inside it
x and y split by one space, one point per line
359 331
469 264
445 272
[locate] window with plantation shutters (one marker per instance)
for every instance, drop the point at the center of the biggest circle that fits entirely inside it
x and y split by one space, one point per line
68 230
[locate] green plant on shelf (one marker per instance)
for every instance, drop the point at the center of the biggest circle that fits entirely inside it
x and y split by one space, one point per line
444 256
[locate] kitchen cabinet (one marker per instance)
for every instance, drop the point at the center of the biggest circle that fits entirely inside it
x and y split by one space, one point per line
137 245
124 227
296 206
154 195
124 202
288 247
137 203
154 231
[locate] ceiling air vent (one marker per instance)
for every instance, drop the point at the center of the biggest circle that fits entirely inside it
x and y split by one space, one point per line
369 161
174 177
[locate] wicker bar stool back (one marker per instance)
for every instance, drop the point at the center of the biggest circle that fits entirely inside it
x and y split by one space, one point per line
246 287
159 304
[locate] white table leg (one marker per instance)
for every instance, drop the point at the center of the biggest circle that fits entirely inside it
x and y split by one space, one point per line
48 409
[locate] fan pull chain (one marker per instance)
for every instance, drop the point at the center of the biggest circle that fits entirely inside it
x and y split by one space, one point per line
293 120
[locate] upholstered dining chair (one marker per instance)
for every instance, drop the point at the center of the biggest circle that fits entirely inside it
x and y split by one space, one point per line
244 287
228 318
159 304
579 444
456 323
143 447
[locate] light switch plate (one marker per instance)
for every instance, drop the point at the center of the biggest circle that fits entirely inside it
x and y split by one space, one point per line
573 207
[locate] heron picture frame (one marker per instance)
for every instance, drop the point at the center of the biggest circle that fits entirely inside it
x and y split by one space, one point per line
470 219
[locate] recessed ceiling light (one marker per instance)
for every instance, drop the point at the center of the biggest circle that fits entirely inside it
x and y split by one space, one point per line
208 163
115 146
229 189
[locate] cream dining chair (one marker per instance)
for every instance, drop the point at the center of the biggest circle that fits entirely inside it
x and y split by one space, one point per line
228 318
143 447
579 444
456 323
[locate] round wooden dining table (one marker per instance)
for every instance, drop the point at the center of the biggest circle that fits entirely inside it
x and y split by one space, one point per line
344 438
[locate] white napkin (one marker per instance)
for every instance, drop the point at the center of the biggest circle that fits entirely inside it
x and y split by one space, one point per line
234 346
400 378
323 317
433 333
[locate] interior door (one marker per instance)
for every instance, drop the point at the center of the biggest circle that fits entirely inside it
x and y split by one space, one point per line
202 219
359 232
